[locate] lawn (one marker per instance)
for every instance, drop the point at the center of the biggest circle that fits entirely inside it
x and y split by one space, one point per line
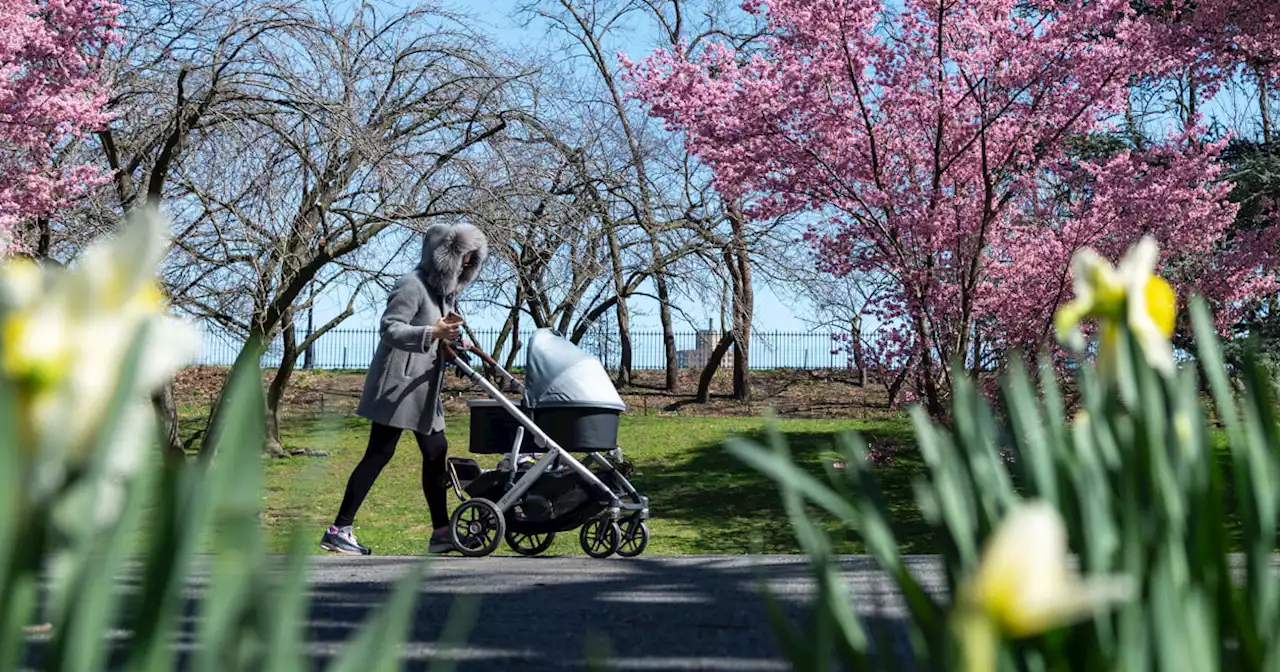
702 499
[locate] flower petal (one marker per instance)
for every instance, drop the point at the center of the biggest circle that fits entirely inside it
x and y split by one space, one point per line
1024 582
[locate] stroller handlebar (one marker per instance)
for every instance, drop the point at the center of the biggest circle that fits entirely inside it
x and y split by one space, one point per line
451 351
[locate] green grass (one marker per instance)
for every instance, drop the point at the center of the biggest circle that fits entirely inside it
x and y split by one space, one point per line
702 499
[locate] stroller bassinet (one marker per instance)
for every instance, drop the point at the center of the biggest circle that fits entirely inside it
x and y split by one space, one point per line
567 393
569 406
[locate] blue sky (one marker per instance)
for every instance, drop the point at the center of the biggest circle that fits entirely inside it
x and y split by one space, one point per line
497 19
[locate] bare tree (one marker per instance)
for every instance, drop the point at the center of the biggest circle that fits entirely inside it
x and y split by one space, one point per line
587 25
547 228
353 123
179 69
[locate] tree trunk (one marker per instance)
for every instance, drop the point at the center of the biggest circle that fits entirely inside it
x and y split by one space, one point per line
738 259
624 317
976 349
743 308
275 392
1264 109
741 370
167 415
668 332
624 345
515 348
44 240
895 386
511 330
1192 101
167 412
713 364
859 359
308 361
932 396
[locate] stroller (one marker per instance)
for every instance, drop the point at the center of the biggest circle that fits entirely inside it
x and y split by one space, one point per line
540 489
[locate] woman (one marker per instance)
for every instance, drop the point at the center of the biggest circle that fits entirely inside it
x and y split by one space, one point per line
402 387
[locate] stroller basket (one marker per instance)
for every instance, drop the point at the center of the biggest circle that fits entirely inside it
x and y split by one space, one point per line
581 429
493 430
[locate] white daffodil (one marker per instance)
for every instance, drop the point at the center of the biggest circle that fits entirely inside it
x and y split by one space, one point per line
1024 586
1130 294
65 335
1024 583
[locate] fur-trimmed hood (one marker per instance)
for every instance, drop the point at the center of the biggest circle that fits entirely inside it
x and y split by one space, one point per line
443 246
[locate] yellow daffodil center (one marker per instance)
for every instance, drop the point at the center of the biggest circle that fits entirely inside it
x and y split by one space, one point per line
32 357
1108 294
1129 297
1161 304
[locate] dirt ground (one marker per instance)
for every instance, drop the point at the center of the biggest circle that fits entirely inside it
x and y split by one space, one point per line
790 393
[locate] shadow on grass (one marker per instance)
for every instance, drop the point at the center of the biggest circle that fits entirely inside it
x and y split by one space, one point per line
739 510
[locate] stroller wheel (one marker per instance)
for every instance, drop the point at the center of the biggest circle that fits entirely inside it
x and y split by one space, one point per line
477 527
530 544
599 537
635 537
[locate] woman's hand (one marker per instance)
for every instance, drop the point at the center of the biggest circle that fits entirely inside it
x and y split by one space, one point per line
446 331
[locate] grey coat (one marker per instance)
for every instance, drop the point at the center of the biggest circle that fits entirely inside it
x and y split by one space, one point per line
402 387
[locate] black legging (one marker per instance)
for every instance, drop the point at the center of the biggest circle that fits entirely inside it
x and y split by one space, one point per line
382 445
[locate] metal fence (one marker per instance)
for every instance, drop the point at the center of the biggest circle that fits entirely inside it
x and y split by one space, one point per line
354 348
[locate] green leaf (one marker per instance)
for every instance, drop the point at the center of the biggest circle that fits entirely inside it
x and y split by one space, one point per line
188 497
79 643
19 604
462 618
385 631
75 513
1055 419
834 617
11 470
236 480
598 653
1102 538
12 616
786 473
1029 433
1263 441
794 646
976 439
881 543
952 489
1215 369
288 612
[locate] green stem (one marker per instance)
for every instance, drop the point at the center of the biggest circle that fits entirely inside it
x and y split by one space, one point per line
977 638
18 590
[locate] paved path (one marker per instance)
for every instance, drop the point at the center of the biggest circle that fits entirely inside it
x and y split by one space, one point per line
661 613
535 614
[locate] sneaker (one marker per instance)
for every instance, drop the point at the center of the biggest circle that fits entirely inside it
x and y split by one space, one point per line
441 542
342 540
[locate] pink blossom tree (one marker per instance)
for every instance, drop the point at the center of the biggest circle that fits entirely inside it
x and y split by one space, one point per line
1204 44
49 94
933 139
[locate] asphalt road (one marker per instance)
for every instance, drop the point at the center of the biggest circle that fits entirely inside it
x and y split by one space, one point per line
533 614
662 613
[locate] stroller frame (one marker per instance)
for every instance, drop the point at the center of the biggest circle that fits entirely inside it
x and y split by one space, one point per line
637 508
